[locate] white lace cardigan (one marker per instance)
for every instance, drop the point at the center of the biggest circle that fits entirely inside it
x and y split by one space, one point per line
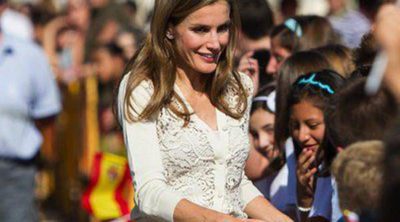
169 162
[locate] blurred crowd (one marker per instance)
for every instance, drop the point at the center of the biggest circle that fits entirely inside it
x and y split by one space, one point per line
303 158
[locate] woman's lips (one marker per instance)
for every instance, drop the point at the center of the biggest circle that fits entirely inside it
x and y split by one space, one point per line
209 57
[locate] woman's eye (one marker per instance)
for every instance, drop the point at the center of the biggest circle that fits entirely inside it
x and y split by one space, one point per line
224 28
200 29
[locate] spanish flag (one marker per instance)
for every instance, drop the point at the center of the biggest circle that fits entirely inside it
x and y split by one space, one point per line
110 192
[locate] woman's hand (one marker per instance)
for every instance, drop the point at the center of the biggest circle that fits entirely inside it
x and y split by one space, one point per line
252 220
305 177
227 218
249 66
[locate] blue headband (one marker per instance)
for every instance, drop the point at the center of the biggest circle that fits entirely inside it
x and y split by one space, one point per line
321 85
294 26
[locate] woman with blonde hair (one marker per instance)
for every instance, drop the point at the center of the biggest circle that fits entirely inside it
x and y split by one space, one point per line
184 113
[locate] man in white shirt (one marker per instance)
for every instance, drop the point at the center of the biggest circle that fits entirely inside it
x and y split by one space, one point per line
29 101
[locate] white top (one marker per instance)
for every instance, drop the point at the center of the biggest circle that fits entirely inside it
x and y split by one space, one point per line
170 162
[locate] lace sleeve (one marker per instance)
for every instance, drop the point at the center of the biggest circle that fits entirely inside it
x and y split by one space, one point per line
247 84
248 190
153 196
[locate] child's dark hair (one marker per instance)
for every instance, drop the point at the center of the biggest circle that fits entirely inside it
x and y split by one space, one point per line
357 117
317 88
256 17
340 58
365 53
389 207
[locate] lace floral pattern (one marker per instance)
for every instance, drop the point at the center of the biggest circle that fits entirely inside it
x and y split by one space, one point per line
189 158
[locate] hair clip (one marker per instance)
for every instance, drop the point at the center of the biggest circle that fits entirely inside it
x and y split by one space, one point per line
294 26
269 100
316 83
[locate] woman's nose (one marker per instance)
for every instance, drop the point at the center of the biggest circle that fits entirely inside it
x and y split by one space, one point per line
213 43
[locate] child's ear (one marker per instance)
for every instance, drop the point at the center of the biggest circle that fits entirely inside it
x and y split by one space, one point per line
339 149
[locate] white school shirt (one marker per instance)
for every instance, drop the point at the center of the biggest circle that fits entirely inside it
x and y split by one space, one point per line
169 162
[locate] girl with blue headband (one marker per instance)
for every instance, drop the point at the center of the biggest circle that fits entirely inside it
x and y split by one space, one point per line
307 103
298 33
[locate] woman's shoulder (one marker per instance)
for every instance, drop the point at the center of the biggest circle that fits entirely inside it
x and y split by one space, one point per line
140 94
246 82
143 89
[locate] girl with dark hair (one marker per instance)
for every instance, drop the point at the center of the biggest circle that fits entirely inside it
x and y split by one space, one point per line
308 100
293 67
273 179
262 121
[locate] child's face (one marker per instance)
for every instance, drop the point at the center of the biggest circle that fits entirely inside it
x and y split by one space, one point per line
278 56
307 125
104 64
262 131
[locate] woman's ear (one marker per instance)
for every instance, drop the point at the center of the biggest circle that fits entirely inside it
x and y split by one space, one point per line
339 149
170 33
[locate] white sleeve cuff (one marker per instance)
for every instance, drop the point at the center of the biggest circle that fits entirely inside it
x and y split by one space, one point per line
248 191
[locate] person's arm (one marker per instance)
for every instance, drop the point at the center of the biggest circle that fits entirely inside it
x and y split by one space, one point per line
256 206
387 32
45 103
256 163
153 196
187 211
261 208
47 127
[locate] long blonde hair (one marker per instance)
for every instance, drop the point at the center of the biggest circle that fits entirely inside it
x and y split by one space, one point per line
156 61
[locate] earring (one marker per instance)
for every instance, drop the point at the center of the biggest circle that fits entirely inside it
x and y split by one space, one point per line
169 36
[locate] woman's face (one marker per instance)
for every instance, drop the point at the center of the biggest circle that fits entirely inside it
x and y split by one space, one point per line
307 125
202 37
262 131
278 55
